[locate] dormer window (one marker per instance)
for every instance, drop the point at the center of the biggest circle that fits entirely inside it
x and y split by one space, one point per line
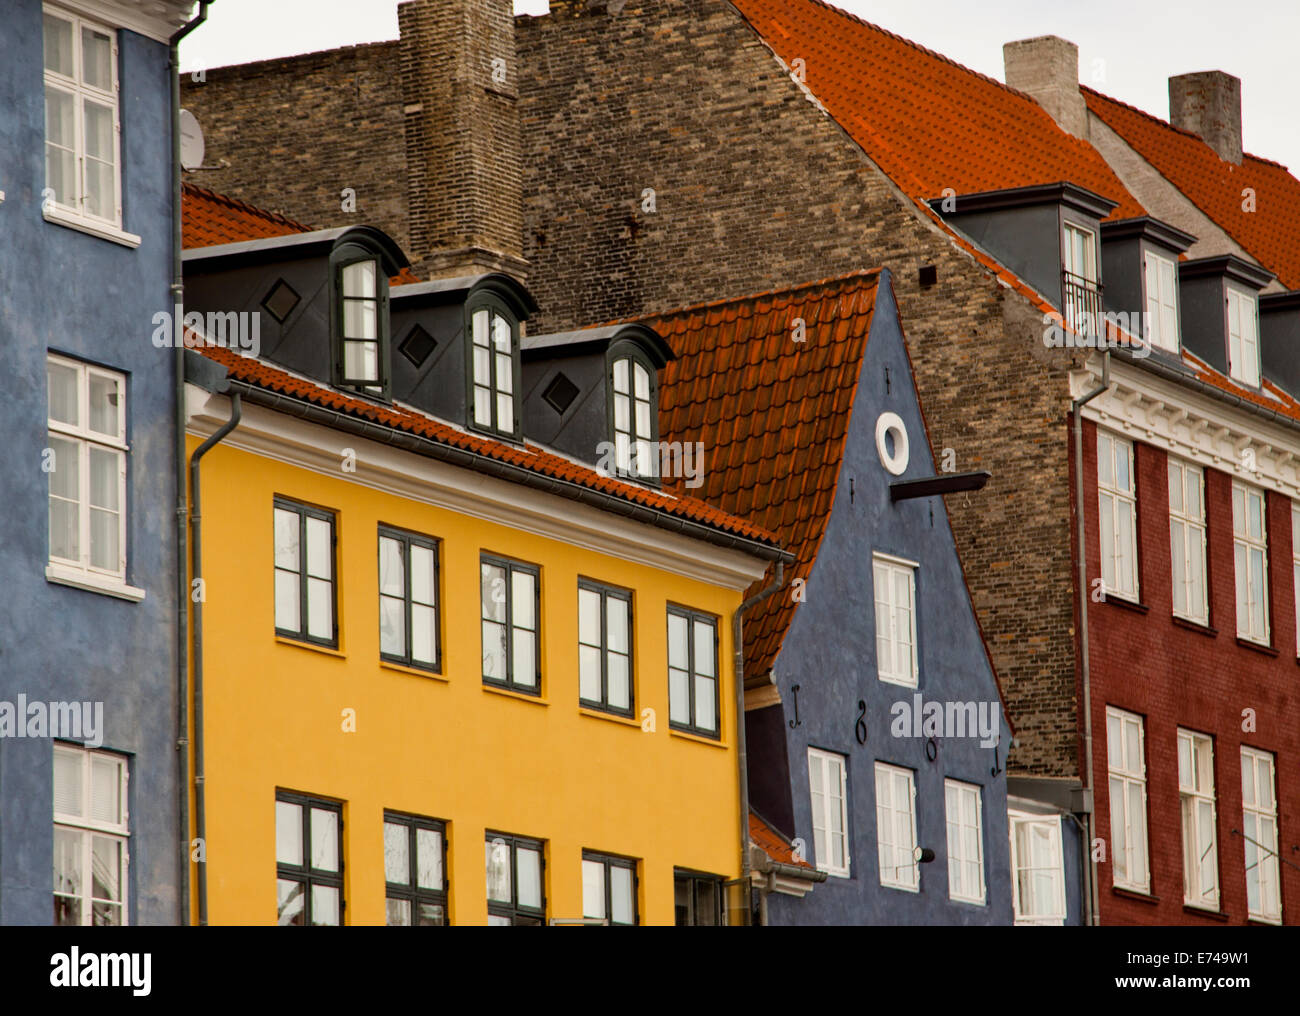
635 412
1243 337
1162 302
1082 295
360 320
494 367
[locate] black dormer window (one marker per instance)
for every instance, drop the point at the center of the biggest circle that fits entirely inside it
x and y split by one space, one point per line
360 320
634 412
494 368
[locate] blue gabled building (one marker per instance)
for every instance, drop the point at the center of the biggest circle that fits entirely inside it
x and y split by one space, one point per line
91 665
876 735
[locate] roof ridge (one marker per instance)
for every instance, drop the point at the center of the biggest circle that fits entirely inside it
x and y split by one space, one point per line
1173 127
856 274
244 206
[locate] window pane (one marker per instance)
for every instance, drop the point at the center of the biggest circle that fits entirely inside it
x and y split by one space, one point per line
502 334
589 617
320 609
67 783
286 601
359 279
397 854
319 549
392 577
61 383
67 866
589 673
58 45
392 626
679 701
505 414
105 402
622 414
423 579
65 510
593 889
104 468
618 681
286 539
288 833
430 915
621 893
617 622
105 789
642 383
621 377
324 906
289 903
361 361
96 59
678 653
525 658
492 589
528 870
106 868
60 141
480 328
523 601
428 849
494 651
704 661
424 634
504 374
324 840
397 913
360 321
483 406
706 715
497 855
643 419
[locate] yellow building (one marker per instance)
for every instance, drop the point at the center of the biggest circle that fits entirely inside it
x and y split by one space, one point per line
447 674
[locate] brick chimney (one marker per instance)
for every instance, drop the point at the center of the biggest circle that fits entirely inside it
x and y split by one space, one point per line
460 81
1208 103
1047 68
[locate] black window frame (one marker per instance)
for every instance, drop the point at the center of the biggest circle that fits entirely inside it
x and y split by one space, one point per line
691 617
408 539
519 916
511 566
304 512
493 304
608 861
305 873
348 254
606 593
412 892
693 879
635 356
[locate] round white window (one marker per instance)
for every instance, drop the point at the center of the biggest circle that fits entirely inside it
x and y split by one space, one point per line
890 431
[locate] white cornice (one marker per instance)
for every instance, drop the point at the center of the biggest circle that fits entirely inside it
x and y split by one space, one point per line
1192 425
419 478
157 19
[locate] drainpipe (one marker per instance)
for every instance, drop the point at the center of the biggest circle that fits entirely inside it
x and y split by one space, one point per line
742 754
196 552
182 584
1091 901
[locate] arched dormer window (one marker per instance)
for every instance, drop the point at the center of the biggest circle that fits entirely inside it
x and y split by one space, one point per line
634 412
493 366
359 314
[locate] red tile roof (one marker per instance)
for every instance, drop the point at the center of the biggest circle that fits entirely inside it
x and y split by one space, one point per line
1270 233
530 457
209 219
1268 396
772 843
772 416
927 121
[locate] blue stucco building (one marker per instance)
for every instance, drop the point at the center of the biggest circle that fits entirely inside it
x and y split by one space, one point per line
89 775
877 738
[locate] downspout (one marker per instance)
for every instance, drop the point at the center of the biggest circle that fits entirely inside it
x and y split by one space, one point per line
196 551
182 583
1091 901
742 754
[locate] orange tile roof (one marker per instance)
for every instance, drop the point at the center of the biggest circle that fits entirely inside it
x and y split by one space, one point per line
1270 234
772 416
1276 399
927 121
209 219
772 843
530 457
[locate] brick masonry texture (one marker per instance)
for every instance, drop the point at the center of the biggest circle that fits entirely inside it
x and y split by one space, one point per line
755 189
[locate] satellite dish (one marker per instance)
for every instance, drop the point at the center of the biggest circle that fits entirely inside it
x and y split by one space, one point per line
192 147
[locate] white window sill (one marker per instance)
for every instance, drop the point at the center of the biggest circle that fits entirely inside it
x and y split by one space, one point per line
62 217
66 576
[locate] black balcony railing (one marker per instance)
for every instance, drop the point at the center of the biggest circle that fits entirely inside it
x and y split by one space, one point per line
1081 303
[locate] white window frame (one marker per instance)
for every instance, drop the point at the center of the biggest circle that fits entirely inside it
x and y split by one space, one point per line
960 794
893 782
81 572
834 772
1088 270
1113 503
1252 616
1161 278
891 567
1243 336
1295 567
1259 822
1130 853
75 214
1027 911
1194 796
88 827
1186 542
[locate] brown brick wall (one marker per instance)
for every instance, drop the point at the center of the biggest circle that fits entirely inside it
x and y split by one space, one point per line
757 189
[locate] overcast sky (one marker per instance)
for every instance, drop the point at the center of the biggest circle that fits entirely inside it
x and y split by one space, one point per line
1127 48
